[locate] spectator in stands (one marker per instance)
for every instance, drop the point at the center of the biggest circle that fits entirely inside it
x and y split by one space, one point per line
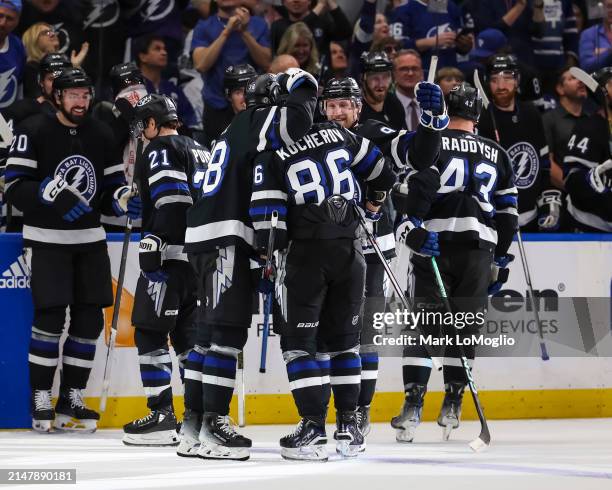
432 33
488 43
559 123
282 63
378 102
596 43
229 38
448 78
370 27
338 63
299 42
152 59
389 45
408 71
326 21
39 40
12 52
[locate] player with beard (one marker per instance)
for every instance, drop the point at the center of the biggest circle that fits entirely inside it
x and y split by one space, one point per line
521 133
378 102
50 66
62 171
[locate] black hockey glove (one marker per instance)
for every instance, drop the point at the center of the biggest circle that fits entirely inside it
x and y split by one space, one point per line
151 257
600 177
499 273
549 210
411 233
417 193
64 198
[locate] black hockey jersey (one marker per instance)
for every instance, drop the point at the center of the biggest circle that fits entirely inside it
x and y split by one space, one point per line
587 147
521 134
220 217
83 156
477 199
296 179
167 170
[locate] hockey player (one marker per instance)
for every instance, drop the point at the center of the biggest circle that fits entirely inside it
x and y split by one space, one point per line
62 172
220 240
312 184
50 66
587 166
467 219
235 80
521 133
165 300
342 103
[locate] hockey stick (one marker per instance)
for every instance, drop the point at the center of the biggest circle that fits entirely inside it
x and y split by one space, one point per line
6 134
487 105
241 392
484 439
392 278
433 66
268 297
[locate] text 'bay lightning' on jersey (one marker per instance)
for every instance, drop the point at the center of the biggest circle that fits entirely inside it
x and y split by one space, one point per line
170 172
477 192
296 179
221 216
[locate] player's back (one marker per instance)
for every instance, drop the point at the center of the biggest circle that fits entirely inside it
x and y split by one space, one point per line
476 183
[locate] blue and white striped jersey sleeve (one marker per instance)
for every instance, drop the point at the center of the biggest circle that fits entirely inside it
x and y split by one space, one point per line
370 165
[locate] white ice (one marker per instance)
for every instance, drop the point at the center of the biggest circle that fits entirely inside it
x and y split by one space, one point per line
524 455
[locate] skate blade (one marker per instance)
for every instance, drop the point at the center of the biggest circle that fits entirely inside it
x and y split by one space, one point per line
348 450
446 432
405 435
305 453
42 426
209 450
152 439
188 449
70 424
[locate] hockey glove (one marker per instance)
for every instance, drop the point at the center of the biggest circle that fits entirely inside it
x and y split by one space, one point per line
499 273
151 257
549 210
371 219
600 177
64 198
411 233
433 108
126 201
264 280
417 193
294 77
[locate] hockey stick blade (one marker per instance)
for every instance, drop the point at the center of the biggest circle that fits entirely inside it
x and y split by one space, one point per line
478 444
5 133
585 78
483 94
433 66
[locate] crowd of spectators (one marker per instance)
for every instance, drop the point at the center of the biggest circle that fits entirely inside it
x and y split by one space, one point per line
184 47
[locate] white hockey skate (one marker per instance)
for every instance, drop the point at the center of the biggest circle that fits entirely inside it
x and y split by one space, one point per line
42 411
219 439
189 442
407 421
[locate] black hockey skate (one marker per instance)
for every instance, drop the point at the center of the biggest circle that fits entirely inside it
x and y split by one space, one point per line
363 420
158 428
189 441
410 417
42 411
307 441
450 413
349 439
71 414
219 439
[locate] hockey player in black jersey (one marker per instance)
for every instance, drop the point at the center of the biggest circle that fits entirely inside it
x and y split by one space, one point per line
467 219
50 66
587 166
342 103
220 240
313 186
62 172
165 299
521 133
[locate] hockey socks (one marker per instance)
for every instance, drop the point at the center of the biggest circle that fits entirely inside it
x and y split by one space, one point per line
156 374
345 377
369 375
306 385
218 379
194 365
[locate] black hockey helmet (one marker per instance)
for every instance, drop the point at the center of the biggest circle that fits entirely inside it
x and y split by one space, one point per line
503 63
465 101
375 61
237 76
341 88
72 78
159 107
602 76
262 90
125 75
53 63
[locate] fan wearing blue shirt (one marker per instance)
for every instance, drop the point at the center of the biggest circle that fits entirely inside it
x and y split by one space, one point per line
12 52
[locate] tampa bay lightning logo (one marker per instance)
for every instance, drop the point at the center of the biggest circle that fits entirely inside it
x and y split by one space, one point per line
525 163
8 87
153 10
439 29
80 174
63 36
103 13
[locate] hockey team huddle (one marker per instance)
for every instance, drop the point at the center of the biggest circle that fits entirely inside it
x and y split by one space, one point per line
294 174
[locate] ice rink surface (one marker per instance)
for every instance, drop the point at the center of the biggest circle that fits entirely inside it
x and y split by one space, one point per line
525 454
